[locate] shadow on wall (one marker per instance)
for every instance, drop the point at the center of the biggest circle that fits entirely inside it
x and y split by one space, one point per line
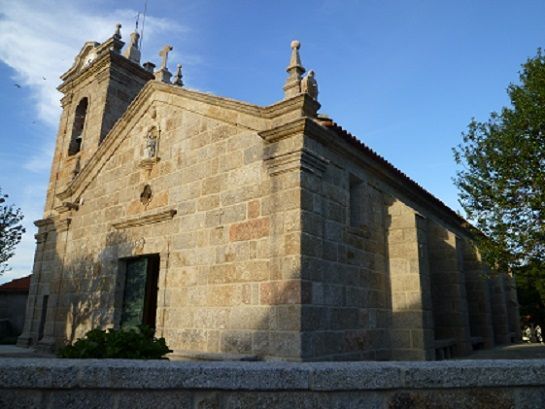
90 288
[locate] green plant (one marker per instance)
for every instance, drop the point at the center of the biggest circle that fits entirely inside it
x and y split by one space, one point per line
134 343
11 231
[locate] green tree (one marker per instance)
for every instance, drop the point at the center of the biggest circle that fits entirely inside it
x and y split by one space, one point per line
11 231
502 179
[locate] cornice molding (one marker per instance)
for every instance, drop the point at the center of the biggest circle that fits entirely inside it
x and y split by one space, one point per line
42 223
285 131
145 219
99 69
302 159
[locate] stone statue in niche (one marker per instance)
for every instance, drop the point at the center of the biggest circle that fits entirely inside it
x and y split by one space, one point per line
150 148
151 145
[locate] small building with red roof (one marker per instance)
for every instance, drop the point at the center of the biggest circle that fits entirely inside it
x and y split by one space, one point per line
13 298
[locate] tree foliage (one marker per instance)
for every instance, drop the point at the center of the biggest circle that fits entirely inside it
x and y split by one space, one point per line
11 231
502 180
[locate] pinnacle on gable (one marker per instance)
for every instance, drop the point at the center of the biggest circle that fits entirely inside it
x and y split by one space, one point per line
177 80
163 74
132 52
117 33
292 87
296 83
114 43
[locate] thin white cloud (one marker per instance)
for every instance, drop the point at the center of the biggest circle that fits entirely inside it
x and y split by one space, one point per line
38 41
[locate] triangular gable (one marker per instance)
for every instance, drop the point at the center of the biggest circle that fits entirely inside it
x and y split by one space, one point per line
229 111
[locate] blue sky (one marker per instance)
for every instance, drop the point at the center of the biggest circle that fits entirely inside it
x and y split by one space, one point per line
404 76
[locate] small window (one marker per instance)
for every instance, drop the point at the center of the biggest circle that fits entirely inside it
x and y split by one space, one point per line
140 294
77 127
357 202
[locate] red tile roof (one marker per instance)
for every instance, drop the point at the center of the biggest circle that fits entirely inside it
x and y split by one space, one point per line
19 285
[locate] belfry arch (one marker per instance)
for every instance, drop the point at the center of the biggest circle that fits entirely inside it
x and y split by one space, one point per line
77 127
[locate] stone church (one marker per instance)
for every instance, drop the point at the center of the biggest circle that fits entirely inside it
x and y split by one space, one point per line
244 231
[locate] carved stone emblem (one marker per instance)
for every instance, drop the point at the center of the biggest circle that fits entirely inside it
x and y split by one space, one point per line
145 196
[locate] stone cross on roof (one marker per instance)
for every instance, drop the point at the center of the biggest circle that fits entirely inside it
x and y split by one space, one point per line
164 53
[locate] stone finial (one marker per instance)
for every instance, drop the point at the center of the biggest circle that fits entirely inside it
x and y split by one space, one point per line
132 52
117 33
292 86
163 74
178 76
114 43
309 85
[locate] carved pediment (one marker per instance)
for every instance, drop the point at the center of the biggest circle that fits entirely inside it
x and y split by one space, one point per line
85 57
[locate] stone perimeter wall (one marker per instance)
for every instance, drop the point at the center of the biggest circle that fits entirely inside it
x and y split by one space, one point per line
51 383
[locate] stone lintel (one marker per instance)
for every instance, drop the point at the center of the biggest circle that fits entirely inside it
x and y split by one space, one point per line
145 219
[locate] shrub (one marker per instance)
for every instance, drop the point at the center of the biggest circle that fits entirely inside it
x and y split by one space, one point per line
131 343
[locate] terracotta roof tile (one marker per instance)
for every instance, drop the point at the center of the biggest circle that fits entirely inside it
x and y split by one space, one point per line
19 285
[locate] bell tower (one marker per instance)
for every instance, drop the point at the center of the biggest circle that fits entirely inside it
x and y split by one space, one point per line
96 90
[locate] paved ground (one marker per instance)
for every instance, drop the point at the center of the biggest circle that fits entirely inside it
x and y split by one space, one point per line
517 351
13 351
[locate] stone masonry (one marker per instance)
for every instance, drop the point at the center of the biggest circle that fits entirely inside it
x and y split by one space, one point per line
278 234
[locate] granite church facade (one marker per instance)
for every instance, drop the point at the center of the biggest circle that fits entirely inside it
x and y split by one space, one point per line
238 230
